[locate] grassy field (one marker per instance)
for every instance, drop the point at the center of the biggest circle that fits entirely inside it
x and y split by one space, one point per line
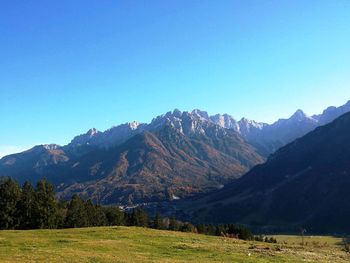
131 244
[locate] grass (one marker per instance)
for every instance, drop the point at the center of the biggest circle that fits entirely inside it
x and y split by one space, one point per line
132 244
327 241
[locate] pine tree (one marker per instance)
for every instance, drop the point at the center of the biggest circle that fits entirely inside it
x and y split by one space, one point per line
211 230
101 219
76 213
188 227
95 214
61 213
158 222
26 207
46 204
174 224
115 217
90 213
219 230
138 217
10 194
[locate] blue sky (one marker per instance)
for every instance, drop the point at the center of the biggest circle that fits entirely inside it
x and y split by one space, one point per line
67 66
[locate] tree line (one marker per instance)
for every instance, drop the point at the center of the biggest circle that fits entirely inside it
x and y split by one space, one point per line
29 207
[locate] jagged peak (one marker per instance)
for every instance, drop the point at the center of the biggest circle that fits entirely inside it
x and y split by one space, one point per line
177 113
330 108
228 116
85 138
200 113
225 116
51 146
247 121
134 125
48 147
299 114
244 122
92 132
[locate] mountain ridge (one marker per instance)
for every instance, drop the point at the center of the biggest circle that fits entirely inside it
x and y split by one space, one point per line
214 150
303 184
251 130
176 155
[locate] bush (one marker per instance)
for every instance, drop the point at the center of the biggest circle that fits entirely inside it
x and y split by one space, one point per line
262 238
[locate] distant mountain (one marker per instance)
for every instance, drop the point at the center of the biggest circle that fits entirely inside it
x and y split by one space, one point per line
109 138
176 155
267 138
304 184
31 164
183 152
270 137
95 139
331 113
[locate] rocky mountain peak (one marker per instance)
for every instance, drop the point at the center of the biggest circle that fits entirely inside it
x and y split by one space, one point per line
177 113
244 122
134 125
51 147
225 121
299 115
92 132
202 114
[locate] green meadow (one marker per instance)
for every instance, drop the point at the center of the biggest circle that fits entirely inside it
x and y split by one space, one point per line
134 244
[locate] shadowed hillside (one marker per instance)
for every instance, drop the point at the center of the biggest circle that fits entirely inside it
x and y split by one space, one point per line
306 183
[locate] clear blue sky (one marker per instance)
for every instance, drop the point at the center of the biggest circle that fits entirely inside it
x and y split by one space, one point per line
67 66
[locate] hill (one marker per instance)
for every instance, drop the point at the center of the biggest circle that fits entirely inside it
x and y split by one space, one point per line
304 184
131 244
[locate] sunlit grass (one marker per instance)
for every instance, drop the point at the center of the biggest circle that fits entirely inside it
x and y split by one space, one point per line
132 244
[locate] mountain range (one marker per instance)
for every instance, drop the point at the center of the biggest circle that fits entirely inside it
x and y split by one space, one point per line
304 184
178 154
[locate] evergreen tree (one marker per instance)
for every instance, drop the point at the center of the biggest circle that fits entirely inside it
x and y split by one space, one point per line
61 213
114 216
158 222
174 225
202 229
10 194
101 219
211 230
76 213
241 232
219 230
90 213
95 214
26 207
138 217
46 204
188 227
